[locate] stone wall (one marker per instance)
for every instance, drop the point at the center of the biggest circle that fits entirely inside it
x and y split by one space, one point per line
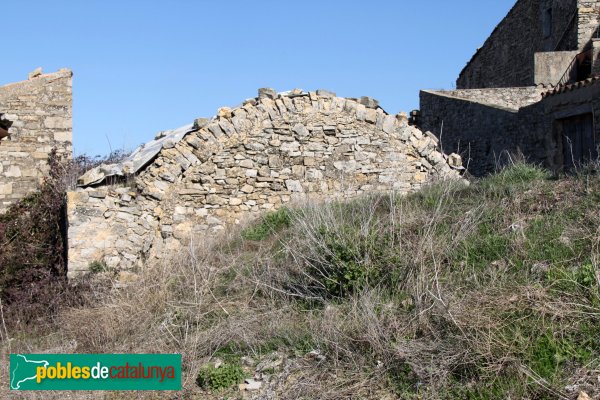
39 114
497 110
567 102
482 125
588 20
507 57
272 151
509 98
550 67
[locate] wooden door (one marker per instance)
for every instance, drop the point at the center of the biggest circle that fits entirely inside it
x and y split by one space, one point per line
579 144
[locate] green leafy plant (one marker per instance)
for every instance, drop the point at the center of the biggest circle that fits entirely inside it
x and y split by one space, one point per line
268 224
223 377
574 280
350 261
586 275
97 266
402 380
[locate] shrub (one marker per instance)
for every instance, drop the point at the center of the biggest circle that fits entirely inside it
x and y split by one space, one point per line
33 281
97 266
223 377
268 224
345 267
341 248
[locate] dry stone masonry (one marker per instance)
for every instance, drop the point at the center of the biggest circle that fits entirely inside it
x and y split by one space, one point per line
528 91
506 59
273 150
485 125
35 117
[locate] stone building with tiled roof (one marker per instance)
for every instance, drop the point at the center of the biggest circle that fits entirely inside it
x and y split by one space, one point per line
530 89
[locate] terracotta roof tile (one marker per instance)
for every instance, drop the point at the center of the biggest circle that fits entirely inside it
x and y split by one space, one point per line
567 87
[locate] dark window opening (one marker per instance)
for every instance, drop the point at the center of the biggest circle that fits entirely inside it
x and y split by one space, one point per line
547 28
4 127
578 141
584 65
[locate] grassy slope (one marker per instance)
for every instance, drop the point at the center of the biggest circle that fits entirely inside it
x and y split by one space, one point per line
481 292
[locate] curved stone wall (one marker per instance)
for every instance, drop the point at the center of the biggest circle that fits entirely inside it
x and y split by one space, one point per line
273 150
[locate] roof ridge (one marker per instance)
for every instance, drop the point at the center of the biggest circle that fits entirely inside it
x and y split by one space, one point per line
566 87
60 73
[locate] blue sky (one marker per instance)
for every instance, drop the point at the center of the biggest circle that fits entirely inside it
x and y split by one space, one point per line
145 66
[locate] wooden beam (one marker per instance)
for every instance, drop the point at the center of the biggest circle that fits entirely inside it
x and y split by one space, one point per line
3 133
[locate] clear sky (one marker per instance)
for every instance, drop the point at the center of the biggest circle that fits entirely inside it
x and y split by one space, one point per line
142 66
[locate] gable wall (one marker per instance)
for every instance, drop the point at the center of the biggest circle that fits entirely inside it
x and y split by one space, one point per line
40 112
507 56
247 161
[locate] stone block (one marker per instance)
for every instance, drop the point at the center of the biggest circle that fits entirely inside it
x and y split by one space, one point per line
13 171
35 73
6 188
63 136
325 93
369 102
97 194
371 115
310 161
214 199
301 130
247 189
200 123
389 123
298 171
57 123
294 186
246 163
267 93
224 112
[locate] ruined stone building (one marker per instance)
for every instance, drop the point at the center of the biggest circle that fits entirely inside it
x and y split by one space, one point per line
532 89
271 151
35 117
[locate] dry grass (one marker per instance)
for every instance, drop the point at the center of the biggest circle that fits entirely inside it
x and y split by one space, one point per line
482 292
